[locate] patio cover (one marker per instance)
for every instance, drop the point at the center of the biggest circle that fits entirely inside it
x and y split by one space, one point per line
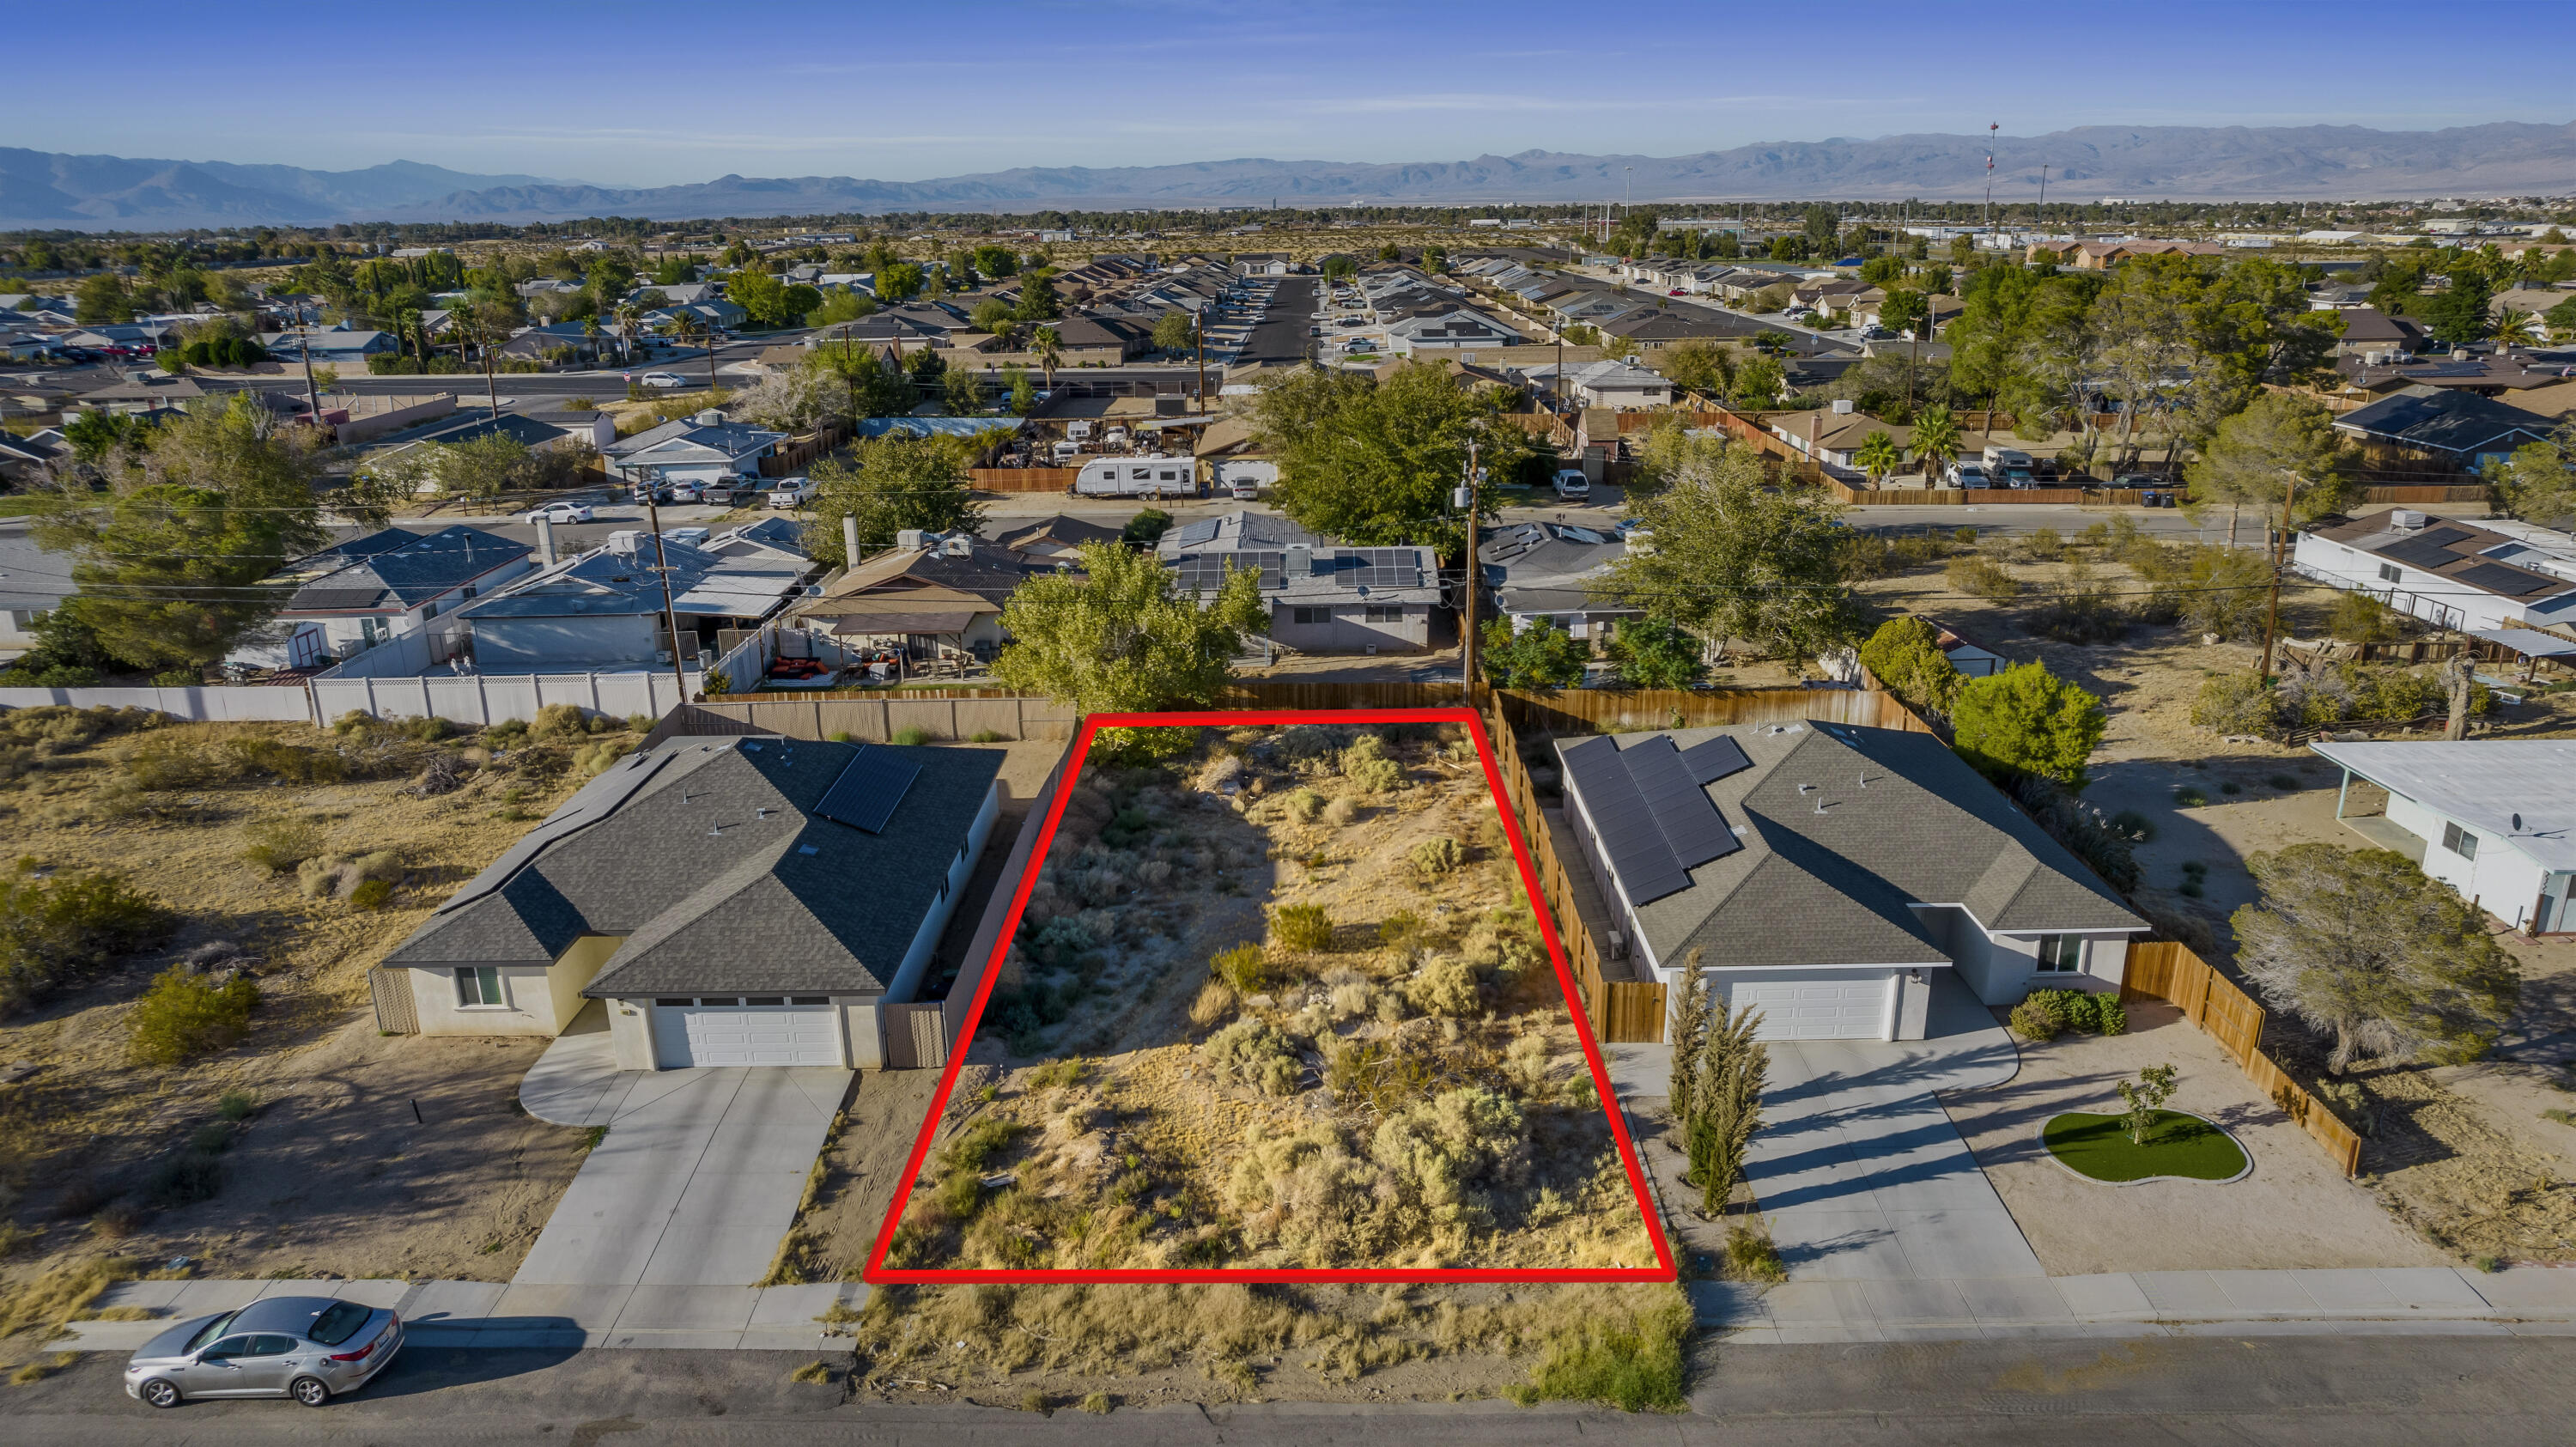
2529 642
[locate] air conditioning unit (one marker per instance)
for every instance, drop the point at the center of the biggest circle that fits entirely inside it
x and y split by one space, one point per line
1618 945
1372 650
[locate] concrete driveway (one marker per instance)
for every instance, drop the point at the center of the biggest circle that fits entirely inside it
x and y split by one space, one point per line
696 1181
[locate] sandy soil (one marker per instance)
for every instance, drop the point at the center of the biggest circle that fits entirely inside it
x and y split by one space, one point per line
331 1175
1121 1108
2295 1210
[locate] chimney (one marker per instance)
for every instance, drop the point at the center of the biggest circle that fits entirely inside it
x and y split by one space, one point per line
545 541
849 539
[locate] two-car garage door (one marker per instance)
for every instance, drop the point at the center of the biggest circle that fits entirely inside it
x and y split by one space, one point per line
757 1030
1812 1008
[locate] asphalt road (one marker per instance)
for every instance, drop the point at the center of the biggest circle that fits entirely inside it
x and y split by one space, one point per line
2256 1391
1280 335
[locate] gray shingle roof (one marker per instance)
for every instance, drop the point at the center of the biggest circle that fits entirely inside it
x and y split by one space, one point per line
1827 875
394 569
672 850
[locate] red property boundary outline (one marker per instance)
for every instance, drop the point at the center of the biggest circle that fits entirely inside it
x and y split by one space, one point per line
877 1272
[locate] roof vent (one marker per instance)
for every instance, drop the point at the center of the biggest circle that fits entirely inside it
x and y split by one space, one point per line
709 418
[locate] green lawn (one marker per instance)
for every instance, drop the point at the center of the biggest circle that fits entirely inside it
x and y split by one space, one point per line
2177 1145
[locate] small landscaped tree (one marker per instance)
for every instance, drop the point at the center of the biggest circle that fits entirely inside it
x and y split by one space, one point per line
1655 653
2145 1097
2027 720
1905 655
2361 944
1877 456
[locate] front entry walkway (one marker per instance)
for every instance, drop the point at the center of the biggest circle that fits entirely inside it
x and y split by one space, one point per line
698 1177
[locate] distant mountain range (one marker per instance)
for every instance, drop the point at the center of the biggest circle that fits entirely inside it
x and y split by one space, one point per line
42 189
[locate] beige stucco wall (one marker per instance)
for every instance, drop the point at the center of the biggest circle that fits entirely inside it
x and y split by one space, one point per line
630 1034
530 1007
863 1033
574 969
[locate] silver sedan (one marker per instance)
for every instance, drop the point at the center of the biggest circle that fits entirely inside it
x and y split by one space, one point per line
311 1348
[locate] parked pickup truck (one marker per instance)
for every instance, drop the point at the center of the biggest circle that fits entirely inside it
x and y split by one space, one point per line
792 492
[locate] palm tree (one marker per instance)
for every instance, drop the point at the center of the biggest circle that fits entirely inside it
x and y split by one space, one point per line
2513 329
1049 349
1936 440
630 320
590 330
1877 456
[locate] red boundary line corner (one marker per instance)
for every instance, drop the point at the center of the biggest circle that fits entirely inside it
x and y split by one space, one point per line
877 1272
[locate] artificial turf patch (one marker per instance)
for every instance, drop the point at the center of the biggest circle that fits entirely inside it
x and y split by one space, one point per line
2098 1146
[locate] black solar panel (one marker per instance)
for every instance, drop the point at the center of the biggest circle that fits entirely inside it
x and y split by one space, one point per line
2422 552
1638 852
1692 827
1205 572
2447 537
870 786
2497 578
1710 760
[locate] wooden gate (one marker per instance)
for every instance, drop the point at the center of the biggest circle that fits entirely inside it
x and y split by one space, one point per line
396 1012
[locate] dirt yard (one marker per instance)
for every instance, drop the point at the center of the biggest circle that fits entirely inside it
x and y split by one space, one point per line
327 1172
2296 1209
1278 1002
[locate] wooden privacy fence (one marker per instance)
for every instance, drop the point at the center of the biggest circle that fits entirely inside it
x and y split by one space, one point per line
1620 1010
1023 479
876 717
2162 970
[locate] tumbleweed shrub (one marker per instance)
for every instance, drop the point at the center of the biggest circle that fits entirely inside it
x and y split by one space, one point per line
1302 927
1215 1000
57 931
1245 968
1445 986
184 1016
280 843
1439 856
1305 804
558 721
1255 1053
1619 1349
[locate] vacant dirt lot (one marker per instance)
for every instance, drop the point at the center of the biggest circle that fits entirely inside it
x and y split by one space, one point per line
1377 1069
330 1173
2295 1210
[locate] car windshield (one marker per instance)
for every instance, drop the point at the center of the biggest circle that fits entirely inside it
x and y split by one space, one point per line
209 1332
339 1323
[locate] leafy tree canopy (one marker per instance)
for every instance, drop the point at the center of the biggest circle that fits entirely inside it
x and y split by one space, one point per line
1374 463
1125 638
1540 655
1735 560
890 484
2027 720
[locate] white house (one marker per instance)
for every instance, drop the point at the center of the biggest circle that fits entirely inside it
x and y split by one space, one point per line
1831 874
812 890
2447 571
1546 571
1322 598
702 448
374 589
2495 819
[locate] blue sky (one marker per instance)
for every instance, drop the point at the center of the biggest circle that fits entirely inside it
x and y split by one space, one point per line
651 94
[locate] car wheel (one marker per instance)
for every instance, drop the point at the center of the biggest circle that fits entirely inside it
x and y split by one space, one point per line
309 1390
160 1393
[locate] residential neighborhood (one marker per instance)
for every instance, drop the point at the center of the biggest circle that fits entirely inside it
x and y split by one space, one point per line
710 773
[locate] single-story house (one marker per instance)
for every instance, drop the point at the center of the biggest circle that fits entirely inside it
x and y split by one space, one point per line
1459 331
1322 598
1825 873
2489 817
340 346
704 890
1056 541
366 591
701 448
934 596
1603 384
2447 571
1971 659
1545 571
1231 452
603 611
2451 427
1834 435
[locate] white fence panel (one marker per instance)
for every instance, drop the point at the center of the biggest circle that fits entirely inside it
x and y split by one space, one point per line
238 703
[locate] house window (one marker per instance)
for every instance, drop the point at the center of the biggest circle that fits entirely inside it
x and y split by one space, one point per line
1385 615
2459 841
372 630
478 985
2390 573
2061 954
1312 615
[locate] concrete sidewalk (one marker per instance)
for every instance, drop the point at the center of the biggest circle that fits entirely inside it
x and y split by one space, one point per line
2526 1300
491 1314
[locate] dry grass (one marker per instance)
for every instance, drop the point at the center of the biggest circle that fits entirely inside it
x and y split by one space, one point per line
63 1292
1381 1070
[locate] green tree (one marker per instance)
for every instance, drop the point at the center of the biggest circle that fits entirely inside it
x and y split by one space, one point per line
871 385
1435 261
2279 438
1936 441
1374 462
1905 655
1698 366
2514 328
890 484
2027 720
2457 315
1124 637
994 262
102 298
1390 252
762 296
1175 331
847 304
1878 456
1047 345
2363 944
2537 484
1880 270
1735 559
1654 653
1904 310
899 281
1038 301
963 391
992 314
2562 317
1540 655
1759 382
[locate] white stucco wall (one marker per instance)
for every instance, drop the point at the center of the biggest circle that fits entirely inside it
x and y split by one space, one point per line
530 1007
630 1034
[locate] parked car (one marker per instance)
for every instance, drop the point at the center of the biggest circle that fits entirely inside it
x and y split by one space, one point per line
561 512
654 492
722 494
792 492
1572 485
687 492
311 1348
663 379
1969 474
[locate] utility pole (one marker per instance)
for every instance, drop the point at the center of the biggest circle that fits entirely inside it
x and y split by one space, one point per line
304 345
708 326
1198 328
491 389
2272 613
1467 631
1991 128
662 570
2043 196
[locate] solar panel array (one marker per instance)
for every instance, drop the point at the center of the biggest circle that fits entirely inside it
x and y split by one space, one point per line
1652 818
2497 578
2429 551
1205 572
870 786
1381 568
1710 760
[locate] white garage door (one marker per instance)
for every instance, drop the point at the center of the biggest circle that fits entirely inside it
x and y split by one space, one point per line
1813 1009
760 1030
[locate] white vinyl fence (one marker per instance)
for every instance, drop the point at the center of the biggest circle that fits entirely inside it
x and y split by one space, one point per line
477 698
221 704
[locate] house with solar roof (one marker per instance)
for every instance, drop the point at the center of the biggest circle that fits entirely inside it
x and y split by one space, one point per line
1323 598
1833 876
2452 573
354 595
727 901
